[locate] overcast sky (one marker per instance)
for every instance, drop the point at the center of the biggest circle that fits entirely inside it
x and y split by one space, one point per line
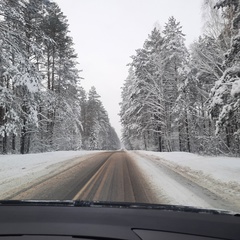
107 32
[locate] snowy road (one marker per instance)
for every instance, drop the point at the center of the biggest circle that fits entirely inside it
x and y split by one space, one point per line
105 176
165 178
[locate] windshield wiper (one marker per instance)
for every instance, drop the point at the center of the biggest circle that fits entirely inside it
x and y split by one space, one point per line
37 203
130 205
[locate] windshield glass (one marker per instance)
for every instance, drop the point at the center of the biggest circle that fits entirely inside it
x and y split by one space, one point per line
121 101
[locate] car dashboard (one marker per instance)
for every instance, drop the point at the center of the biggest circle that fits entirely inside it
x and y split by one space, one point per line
96 221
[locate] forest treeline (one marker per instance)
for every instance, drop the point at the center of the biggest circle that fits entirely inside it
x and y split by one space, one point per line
42 104
179 99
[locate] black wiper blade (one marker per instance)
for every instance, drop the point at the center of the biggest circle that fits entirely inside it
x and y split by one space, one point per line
37 203
129 205
178 208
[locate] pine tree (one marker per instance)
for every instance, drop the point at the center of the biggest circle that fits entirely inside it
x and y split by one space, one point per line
148 94
131 113
225 94
97 128
19 71
173 59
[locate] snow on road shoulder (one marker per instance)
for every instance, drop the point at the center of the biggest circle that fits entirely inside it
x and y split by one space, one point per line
20 171
225 169
166 189
220 175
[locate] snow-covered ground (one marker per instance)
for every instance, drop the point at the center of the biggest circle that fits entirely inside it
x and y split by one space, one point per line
226 169
189 179
25 169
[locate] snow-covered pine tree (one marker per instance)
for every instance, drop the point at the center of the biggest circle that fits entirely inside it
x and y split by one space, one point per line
206 67
173 59
113 140
146 97
60 126
151 89
130 106
19 72
225 101
97 130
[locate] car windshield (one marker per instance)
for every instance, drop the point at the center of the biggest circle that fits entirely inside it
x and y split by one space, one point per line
131 101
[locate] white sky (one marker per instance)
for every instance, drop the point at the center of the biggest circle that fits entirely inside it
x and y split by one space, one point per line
107 32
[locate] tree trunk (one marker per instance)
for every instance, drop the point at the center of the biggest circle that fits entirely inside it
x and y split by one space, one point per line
227 136
13 142
187 131
145 141
28 143
160 143
180 139
1 123
5 150
48 70
53 69
23 140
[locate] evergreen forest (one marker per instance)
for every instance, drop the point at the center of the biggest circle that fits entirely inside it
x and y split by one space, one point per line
43 106
179 98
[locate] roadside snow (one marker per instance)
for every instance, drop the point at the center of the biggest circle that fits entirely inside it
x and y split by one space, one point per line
225 169
189 179
25 169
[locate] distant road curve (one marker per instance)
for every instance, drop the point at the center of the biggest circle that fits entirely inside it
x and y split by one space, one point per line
106 176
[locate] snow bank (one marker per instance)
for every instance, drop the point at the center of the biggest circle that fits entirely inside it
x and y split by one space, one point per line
18 171
225 169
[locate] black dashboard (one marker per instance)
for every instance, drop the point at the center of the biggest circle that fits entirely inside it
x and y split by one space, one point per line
103 221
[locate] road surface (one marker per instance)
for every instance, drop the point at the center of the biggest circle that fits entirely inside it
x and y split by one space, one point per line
106 176
120 176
